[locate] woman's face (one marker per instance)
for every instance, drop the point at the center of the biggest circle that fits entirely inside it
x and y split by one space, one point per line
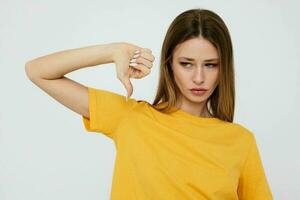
197 72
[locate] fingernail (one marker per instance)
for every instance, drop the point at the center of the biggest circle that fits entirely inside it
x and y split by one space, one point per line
137 51
132 60
136 55
133 64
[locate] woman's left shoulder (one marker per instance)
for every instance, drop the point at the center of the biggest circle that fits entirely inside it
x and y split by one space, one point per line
242 130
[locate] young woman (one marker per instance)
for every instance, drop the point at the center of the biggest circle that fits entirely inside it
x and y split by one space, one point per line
185 144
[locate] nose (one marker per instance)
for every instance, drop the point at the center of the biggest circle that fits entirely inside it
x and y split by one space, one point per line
198 76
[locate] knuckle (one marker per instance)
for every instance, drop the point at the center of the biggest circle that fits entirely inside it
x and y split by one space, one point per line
148 50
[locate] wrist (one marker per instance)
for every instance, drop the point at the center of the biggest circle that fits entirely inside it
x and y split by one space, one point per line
116 49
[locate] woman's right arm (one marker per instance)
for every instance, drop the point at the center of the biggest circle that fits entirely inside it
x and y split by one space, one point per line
47 72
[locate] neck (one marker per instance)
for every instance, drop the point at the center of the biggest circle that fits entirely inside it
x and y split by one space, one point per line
199 110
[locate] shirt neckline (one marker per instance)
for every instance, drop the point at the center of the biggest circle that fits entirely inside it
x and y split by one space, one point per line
178 113
188 116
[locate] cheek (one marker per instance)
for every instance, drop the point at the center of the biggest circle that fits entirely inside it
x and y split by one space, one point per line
181 78
177 80
214 79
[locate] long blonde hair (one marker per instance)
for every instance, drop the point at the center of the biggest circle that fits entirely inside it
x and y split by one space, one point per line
191 24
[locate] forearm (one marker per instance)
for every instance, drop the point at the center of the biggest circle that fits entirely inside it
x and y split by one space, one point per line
56 65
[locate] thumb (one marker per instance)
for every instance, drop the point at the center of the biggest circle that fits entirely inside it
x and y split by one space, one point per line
128 85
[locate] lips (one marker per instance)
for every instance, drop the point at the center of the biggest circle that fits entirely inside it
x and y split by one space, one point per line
198 89
198 92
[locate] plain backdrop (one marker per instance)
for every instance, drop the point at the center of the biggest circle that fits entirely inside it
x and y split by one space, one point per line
45 152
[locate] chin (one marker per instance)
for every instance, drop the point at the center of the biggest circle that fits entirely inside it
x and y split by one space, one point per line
196 99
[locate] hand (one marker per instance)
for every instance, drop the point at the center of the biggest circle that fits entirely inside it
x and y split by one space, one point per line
132 65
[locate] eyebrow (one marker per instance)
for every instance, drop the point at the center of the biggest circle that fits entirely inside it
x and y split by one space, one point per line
192 59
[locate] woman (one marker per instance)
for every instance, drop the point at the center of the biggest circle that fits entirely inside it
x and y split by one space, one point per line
182 146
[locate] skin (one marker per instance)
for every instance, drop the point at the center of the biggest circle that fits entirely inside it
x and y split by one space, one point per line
197 73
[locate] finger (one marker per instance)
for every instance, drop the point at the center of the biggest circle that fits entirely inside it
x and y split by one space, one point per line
137 74
146 55
144 69
136 51
141 60
146 50
128 86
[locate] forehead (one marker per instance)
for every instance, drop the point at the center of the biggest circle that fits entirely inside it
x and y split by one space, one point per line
196 48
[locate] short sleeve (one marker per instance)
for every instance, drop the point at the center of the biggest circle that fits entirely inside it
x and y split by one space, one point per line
106 110
253 184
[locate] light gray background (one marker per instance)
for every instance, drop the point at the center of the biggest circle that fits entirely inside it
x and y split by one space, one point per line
45 153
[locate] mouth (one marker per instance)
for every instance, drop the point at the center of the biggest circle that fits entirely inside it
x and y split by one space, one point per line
198 89
198 92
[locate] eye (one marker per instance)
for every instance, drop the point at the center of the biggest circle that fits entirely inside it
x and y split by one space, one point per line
184 64
211 65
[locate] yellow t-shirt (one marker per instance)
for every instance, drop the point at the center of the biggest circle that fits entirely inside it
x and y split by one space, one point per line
176 156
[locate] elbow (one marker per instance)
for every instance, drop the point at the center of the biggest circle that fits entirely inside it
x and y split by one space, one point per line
28 70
